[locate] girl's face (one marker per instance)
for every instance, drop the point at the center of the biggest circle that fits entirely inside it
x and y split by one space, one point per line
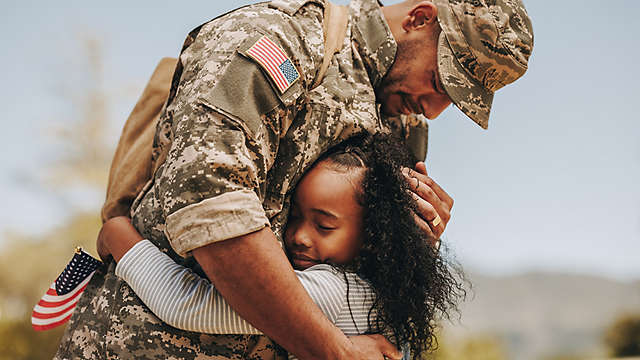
325 223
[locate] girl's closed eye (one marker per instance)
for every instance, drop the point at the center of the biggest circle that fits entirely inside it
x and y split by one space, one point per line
325 227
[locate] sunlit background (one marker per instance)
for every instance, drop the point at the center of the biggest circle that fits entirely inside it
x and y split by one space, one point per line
547 206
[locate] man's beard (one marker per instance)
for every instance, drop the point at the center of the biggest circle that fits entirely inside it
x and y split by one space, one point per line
397 74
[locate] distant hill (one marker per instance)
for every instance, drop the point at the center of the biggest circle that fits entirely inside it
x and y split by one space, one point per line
540 314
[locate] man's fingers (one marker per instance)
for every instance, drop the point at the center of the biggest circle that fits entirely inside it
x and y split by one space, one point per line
432 239
442 195
386 348
428 218
433 204
423 178
432 209
374 347
421 167
428 194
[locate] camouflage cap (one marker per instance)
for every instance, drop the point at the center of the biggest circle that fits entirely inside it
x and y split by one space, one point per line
484 45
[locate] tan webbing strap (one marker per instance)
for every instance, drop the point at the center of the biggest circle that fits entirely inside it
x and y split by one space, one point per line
334 29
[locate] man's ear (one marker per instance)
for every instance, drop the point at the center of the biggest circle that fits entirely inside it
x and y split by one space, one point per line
420 16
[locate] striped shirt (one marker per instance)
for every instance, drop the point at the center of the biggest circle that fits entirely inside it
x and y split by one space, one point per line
186 301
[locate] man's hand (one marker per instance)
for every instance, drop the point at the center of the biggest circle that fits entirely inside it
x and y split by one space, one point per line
434 204
374 347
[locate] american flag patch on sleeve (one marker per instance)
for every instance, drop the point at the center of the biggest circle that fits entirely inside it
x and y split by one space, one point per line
275 62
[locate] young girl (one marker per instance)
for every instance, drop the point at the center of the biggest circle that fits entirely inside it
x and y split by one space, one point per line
352 240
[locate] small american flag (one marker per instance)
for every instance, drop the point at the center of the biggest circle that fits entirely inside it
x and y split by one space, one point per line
275 62
57 304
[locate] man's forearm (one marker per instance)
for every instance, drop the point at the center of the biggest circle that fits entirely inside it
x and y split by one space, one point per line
255 277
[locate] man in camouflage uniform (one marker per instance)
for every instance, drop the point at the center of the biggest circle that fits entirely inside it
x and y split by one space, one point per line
238 138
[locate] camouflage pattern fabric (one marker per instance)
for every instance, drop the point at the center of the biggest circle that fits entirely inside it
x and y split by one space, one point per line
235 148
484 45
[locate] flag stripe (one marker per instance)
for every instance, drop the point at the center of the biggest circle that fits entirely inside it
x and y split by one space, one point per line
275 49
38 321
49 326
55 315
270 54
44 311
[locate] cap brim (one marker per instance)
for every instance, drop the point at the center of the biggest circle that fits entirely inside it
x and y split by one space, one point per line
468 95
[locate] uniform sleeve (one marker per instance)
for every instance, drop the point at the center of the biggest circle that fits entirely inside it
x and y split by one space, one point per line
186 301
210 187
226 120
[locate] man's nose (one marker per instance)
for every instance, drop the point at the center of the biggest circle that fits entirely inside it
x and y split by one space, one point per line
434 105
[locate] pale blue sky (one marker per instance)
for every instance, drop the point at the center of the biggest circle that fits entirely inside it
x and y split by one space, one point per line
552 185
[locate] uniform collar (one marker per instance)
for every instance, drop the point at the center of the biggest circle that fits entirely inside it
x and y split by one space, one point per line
373 38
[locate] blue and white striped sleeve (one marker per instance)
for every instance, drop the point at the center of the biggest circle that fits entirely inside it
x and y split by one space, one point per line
186 301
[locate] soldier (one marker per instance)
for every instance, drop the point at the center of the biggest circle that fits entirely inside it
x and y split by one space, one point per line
243 122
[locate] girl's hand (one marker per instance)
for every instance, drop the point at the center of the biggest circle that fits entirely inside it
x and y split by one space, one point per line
103 248
116 237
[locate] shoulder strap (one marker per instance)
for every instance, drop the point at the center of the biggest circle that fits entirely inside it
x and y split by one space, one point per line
334 29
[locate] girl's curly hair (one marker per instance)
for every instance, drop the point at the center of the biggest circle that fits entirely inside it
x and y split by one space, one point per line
414 285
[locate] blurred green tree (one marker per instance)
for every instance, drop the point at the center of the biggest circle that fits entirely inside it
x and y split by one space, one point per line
623 336
19 341
479 347
566 357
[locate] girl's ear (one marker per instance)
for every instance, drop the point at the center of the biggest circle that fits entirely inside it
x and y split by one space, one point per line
420 16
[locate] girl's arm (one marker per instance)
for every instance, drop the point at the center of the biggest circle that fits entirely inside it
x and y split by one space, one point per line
176 295
186 301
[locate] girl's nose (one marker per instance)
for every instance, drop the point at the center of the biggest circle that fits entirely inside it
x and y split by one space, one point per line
301 237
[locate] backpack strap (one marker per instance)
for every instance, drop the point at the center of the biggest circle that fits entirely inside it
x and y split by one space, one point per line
334 29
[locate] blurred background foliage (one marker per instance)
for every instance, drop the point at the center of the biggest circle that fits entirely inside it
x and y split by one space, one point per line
478 347
623 336
28 263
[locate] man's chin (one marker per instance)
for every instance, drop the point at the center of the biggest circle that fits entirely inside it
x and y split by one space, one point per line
392 105
389 111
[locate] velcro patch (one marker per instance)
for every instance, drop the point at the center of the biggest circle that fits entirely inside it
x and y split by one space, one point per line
275 62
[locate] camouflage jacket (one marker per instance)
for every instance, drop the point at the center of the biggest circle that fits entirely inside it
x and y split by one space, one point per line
236 145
